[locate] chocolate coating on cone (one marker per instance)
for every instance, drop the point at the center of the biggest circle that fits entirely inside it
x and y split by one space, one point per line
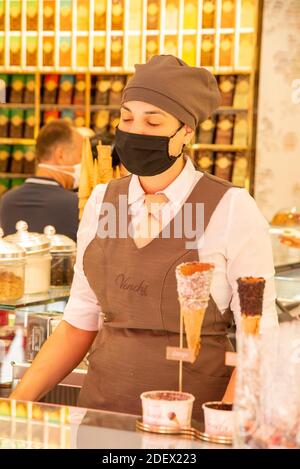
251 293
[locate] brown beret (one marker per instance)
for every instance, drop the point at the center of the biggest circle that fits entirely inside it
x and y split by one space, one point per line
189 93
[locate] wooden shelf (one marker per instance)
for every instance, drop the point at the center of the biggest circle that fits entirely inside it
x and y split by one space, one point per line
61 107
17 141
217 147
16 105
14 176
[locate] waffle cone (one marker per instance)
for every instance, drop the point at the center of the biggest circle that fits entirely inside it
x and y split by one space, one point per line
193 320
250 324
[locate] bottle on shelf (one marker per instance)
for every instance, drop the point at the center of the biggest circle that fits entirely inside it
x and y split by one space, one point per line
4 157
99 15
79 120
100 121
190 14
68 116
99 51
29 160
50 88
116 58
246 50
189 50
117 13
224 129
81 52
240 133
152 46
101 91
31 15
17 85
65 51
223 165
207 51
83 15
171 45
135 15
114 120
49 116
204 160
15 50
247 14
4 122
29 123
153 10
17 160
2 51
228 14
65 90
241 92
29 89
226 50
48 51
226 86
16 123
115 94
208 14
31 51
79 91
171 14
207 130
15 8
48 15
2 15
240 168
65 15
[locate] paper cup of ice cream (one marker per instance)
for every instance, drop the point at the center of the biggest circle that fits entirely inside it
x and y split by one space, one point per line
167 408
218 418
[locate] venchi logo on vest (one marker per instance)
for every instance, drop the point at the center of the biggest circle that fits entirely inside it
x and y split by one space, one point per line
115 222
126 283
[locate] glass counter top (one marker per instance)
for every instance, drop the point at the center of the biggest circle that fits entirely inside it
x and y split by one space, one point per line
54 294
36 425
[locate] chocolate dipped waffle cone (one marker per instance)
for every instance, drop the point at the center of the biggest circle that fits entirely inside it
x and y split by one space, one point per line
251 293
193 286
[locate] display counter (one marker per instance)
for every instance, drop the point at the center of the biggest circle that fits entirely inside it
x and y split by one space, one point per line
36 425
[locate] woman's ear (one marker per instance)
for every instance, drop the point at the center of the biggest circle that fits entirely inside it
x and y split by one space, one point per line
189 134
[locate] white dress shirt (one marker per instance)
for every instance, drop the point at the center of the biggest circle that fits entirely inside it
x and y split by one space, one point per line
236 241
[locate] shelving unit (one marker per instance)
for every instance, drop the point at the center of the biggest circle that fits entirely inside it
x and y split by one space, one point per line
107 37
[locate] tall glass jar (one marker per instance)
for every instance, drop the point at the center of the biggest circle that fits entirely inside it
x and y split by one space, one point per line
38 258
63 252
12 262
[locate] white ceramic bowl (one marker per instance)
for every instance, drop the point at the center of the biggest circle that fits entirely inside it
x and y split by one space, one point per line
218 422
167 408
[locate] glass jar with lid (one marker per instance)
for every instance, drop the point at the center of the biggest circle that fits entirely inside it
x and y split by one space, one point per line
38 258
63 252
12 265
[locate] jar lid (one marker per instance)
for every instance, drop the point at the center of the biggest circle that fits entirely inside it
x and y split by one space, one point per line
59 243
33 243
10 251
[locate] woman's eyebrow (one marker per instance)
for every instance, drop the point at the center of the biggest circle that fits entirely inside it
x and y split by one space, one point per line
155 112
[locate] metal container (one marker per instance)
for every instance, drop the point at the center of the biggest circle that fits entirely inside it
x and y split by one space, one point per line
63 252
39 328
38 258
12 264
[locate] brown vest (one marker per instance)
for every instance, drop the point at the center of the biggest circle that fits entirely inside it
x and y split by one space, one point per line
136 289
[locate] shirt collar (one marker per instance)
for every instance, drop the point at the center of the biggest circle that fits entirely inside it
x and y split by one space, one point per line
176 192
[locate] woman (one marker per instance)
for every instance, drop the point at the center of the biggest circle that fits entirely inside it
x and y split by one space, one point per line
129 280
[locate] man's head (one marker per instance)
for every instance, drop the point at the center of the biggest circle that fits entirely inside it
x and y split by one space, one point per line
59 144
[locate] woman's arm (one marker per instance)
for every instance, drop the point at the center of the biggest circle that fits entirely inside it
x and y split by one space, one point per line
60 354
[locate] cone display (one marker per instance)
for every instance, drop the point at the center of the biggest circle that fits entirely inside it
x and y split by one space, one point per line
251 293
193 286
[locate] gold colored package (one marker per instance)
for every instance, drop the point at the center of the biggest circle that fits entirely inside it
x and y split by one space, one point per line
240 169
240 133
223 165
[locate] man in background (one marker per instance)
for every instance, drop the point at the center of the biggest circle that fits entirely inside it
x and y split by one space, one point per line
48 197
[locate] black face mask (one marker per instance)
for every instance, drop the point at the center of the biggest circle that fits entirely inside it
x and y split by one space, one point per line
144 155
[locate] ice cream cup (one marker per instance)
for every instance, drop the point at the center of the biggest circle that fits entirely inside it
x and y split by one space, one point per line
218 418
167 408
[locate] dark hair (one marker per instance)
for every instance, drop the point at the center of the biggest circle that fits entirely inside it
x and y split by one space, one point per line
52 134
